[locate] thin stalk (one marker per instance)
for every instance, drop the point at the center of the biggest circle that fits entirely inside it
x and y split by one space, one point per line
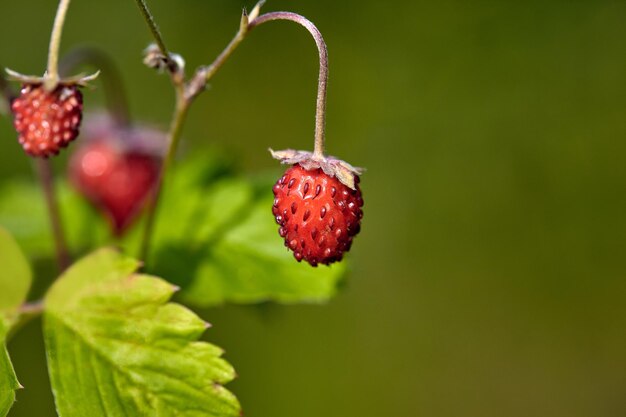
154 29
46 177
185 92
25 313
180 114
225 54
114 92
52 73
322 85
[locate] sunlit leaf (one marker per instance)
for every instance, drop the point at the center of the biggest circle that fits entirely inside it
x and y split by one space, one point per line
117 347
235 254
15 280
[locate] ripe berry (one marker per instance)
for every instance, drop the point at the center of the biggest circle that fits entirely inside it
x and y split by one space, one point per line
47 121
115 171
318 215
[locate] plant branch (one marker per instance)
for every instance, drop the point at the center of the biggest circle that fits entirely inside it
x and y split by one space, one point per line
186 92
52 72
174 133
154 29
322 86
46 177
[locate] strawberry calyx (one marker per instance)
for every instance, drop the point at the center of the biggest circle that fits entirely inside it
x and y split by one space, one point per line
49 83
331 166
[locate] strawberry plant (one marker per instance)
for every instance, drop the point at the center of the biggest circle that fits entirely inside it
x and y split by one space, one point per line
131 226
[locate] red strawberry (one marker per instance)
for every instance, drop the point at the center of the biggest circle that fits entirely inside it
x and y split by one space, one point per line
318 214
116 169
47 121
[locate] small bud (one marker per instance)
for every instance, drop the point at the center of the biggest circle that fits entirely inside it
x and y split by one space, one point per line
243 25
256 10
153 57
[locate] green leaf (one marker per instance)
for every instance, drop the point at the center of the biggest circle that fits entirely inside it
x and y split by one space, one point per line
8 379
233 251
23 212
16 279
116 347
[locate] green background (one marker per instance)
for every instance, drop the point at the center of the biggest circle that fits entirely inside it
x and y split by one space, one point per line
489 276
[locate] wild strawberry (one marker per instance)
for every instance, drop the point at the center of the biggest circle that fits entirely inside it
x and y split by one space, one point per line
318 214
116 169
47 121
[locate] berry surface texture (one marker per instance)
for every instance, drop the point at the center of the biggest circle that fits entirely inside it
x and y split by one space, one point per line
317 214
47 121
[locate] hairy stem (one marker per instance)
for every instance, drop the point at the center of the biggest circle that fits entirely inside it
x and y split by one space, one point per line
114 92
154 29
322 85
46 177
52 72
225 54
185 92
178 119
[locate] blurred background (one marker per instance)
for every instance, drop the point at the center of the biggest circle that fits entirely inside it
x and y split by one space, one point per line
489 276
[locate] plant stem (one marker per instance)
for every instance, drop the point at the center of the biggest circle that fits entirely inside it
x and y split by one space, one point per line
322 85
52 73
46 177
185 92
224 55
114 92
31 308
25 313
180 113
154 29
174 133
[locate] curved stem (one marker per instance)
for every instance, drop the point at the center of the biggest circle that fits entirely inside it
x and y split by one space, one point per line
180 114
114 92
46 177
322 85
52 73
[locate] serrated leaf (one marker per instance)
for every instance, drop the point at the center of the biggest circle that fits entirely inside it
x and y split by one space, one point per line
235 253
15 281
117 347
8 379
